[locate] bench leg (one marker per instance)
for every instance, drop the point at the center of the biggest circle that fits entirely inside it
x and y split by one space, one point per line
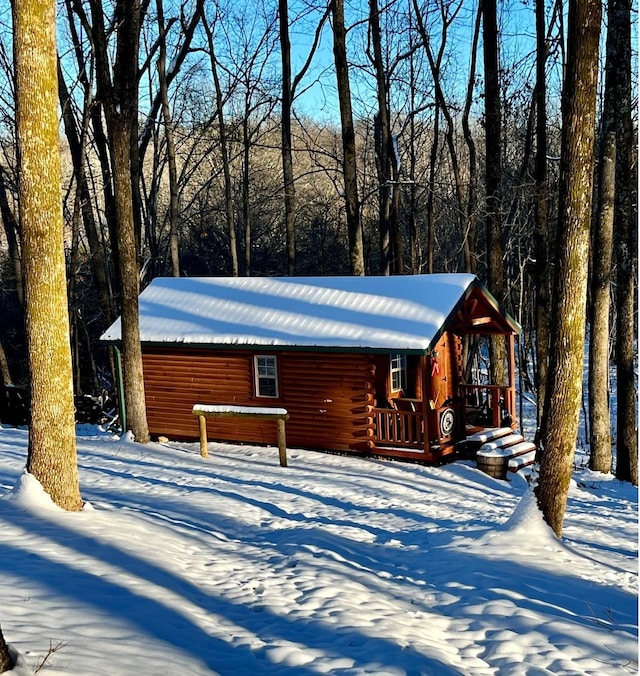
204 451
282 443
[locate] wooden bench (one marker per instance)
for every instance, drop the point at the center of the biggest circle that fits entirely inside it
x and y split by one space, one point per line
204 411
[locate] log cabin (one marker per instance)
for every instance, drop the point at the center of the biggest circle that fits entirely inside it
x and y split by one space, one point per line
367 365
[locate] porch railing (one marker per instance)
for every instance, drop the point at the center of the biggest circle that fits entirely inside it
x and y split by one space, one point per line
403 429
491 401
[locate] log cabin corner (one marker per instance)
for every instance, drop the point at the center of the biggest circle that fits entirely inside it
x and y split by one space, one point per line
365 365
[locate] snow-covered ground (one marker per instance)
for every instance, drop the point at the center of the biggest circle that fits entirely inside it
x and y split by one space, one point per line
333 565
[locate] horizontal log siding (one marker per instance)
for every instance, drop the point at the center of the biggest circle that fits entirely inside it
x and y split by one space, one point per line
327 396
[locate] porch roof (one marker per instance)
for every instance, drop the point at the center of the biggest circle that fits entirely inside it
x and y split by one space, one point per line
399 313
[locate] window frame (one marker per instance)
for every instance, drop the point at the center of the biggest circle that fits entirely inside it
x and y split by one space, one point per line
401 371
257 376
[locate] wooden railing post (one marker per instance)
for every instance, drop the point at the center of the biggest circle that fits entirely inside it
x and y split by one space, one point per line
282 443
204 450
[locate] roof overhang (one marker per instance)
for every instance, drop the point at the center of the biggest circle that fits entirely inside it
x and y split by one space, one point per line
405 313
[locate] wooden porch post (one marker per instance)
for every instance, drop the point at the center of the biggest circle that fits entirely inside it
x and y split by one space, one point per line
511 406
426 393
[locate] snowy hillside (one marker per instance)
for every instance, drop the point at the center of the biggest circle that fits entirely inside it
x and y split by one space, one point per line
335 565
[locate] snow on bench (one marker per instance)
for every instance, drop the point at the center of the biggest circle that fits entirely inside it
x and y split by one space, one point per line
204 411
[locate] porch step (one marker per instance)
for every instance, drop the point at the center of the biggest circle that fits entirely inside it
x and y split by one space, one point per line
489 434
502 442
521 461
496 460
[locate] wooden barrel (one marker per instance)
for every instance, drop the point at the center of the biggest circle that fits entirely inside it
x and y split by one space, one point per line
493 465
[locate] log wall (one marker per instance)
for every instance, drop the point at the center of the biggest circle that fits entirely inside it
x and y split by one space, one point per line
328 396
445 385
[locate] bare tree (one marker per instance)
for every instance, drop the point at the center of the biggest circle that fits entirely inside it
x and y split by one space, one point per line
599 417
52 443
118 92
174 247
383 143
568 309
541 276
288 96
224 149
11 230
493 177
287 159
626 220
354 224
600 423
448 16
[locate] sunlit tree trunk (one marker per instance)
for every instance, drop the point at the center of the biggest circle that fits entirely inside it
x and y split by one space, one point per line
568 308
599 416
52 443
600 423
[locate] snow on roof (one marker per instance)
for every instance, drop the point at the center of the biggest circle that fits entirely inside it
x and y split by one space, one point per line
388 313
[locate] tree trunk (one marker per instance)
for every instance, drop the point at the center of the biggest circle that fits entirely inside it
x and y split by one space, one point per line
430 215
224 152
441 104
6 661
246 206
564 390
599 419
119 97
469 244
174 242
541 274
382 143
493 177
287 159
11 231
77 144
134 396
354 225
626 220
5 373
51 455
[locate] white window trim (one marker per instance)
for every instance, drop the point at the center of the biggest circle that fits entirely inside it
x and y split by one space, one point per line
401 371
257 376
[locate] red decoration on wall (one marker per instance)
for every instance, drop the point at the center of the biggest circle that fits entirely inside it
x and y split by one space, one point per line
435 367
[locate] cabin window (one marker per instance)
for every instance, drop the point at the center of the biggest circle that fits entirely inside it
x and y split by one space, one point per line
398 370
266 375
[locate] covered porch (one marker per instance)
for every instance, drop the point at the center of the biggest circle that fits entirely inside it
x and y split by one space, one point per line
442 400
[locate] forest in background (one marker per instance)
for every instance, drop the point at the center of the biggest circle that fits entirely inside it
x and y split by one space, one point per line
298 138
